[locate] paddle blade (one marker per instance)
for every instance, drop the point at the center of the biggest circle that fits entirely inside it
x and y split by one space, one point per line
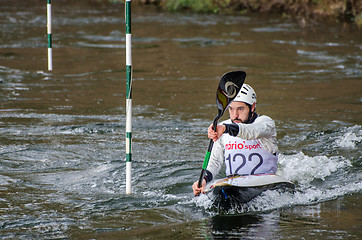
229 86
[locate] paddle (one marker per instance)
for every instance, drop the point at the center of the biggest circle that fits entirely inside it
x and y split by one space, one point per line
229 86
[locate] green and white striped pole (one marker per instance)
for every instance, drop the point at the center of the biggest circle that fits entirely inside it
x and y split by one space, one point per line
49 31
128 97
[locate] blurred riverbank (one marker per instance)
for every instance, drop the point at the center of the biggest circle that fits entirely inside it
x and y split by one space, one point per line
306 12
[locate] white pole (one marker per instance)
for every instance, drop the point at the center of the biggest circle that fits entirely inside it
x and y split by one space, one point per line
128 97
49 31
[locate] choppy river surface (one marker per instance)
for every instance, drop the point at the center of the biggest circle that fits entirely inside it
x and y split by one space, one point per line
62 133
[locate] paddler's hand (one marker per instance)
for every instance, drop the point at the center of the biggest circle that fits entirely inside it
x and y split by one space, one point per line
220 129
196 188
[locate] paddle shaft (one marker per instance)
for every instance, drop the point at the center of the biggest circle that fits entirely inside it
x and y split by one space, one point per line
208 152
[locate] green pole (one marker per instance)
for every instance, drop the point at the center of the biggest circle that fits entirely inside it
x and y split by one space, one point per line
128 97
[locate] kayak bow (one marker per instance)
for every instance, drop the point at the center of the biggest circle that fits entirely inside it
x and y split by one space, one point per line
233 191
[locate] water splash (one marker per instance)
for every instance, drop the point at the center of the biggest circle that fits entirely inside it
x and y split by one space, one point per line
351 137
304 169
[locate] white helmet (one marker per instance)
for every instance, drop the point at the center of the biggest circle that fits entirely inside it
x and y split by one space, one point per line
246 95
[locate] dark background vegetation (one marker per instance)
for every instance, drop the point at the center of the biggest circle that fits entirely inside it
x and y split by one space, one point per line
306 12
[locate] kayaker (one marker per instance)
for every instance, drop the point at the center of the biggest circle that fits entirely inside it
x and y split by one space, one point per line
246 142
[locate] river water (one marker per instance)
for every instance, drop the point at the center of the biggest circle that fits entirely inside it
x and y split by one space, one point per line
62 133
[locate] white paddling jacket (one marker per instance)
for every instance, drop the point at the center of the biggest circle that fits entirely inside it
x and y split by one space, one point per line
252 151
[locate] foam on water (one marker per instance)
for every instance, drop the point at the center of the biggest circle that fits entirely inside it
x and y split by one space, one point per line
351 137
304 169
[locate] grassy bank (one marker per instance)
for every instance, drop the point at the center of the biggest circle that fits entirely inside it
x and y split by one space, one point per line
306 12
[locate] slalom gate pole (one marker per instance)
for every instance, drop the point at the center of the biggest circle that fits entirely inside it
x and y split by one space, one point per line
49 31
128 97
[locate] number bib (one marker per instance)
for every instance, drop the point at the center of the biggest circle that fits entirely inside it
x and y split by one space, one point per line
247 157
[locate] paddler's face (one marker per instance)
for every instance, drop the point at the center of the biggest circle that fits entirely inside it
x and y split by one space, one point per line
239 112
